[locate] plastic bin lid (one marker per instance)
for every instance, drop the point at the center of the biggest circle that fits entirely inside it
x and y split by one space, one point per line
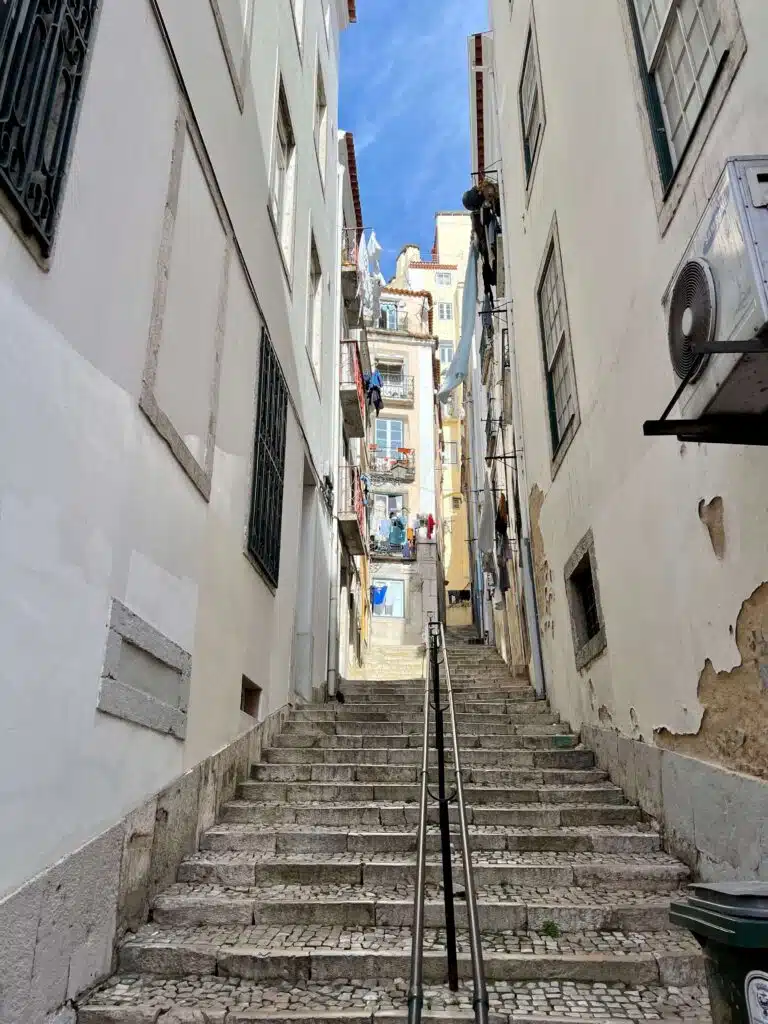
745 899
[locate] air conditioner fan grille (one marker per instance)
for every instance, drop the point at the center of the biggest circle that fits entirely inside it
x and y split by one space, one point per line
692 317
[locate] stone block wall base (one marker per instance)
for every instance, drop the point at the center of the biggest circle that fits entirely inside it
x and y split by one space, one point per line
713 819
58 933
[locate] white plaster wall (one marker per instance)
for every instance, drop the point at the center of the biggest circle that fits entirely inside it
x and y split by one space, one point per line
426 444
668 602
93 505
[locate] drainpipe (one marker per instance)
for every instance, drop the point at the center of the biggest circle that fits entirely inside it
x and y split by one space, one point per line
335 559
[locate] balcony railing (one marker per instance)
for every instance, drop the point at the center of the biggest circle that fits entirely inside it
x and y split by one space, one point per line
352 509
352 389
350 246
397 389
394 464
395 320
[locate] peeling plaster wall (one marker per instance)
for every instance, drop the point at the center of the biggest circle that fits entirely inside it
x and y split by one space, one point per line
675 567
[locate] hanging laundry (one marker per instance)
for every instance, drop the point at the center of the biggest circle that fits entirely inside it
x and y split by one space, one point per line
396 531
431 524
502 517
472 199
459 368
406 550
410 534
487 517
378 595
373 386
377 279
487 314
363 268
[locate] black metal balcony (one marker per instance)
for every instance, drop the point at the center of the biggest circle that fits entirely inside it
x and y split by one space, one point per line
397 390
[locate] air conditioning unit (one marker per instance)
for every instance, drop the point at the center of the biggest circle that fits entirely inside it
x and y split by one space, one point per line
720 294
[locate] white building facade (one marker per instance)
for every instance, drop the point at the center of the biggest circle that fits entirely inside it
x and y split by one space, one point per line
649 554
169 387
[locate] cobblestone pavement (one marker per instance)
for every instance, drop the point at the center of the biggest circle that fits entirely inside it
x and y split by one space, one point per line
304 882
573 1000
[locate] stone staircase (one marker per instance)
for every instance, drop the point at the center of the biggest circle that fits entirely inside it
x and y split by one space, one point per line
298 905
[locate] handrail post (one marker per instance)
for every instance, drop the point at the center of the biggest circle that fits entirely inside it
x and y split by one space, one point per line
445 823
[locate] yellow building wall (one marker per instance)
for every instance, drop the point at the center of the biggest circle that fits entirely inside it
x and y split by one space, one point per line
453 239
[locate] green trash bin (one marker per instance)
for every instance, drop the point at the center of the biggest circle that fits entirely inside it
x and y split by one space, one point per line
730 920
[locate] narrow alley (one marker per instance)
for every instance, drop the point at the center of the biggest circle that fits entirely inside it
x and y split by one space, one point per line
383 490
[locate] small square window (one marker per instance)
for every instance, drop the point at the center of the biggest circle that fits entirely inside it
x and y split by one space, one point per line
587 625
456 500
443 278
250 698
445 310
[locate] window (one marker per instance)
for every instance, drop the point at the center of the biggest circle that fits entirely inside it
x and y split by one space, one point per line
321 122
446 355
388 316
558 359
456 501
443 278
445 310
43 55
268 464
393 605
283 176
391 375
385 504
682 44
587 625
315 309
390 433
531 106
451 453
250 698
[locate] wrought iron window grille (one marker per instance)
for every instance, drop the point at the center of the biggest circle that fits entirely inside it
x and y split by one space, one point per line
266 517
43 56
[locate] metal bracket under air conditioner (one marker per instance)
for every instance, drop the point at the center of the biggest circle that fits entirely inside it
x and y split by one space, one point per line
723 428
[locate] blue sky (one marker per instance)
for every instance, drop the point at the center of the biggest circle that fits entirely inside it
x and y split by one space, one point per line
404 95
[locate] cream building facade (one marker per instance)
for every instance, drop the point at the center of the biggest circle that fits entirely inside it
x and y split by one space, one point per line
443 277
403 464
649 555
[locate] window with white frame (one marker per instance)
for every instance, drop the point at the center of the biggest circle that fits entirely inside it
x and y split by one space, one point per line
390 434
446 355
283 175
315 308
683 44
388 318
558 359
321 121
393 605
445 311
531 105
451 453
443 278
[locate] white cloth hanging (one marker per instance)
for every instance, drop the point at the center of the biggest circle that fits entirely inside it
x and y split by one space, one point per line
458 371
487 536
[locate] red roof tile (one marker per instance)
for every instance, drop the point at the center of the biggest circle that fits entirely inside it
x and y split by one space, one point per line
352 164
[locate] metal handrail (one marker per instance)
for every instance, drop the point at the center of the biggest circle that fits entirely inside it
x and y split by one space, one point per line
416 989
480 989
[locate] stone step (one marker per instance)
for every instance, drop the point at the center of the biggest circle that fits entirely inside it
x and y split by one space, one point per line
501 908
467 725
401 815
328 792
325 953
524 740
325 841
474 758
146 998
408 708
645 873
409 775
480 694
